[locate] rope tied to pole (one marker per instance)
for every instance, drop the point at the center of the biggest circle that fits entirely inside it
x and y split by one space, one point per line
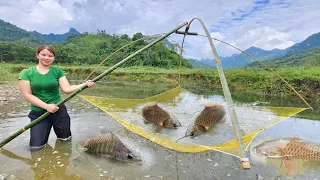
269 68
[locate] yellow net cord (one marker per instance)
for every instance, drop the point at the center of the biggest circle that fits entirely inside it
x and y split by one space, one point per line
128 113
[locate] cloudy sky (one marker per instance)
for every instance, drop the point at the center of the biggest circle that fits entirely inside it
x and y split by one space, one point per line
266 24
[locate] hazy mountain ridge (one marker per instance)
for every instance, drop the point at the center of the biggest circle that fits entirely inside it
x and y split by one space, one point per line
55 37
12 33
309 43
307 58
242 60
198 64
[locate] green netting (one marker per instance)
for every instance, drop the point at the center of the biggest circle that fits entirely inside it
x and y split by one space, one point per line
185 106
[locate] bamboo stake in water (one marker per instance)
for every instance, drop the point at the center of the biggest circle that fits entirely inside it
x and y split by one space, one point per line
227 95
11 137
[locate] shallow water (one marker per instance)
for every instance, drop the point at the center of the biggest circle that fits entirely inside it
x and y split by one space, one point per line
66 161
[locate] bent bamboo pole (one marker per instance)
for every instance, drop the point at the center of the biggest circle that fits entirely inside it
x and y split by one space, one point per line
227 95
11 137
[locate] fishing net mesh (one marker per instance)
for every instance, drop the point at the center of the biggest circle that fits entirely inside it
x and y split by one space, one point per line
185 106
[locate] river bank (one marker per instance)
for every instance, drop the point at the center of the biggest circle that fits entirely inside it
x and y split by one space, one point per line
9 92
257 81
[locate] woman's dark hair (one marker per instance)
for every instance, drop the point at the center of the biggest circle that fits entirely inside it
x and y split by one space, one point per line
49 48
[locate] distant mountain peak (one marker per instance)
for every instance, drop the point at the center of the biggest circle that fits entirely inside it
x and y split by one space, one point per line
254 49
55 37
73 31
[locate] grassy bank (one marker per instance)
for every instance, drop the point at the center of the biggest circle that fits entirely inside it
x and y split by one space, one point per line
250 80
250 85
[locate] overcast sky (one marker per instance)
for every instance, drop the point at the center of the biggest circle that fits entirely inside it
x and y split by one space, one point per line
266 24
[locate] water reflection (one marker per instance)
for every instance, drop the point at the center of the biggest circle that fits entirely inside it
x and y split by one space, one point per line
160 162
143 90
48 163
292 167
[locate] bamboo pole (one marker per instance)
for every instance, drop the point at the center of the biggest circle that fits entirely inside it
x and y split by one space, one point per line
227 95
11 137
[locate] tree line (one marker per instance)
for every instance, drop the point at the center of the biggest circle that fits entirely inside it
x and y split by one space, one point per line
86 49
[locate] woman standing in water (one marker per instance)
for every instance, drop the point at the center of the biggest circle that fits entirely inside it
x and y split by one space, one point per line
40 86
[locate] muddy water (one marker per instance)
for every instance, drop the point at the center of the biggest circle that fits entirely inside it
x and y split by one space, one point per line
67 161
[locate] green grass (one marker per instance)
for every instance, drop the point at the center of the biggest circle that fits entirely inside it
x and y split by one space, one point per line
6 74
252 80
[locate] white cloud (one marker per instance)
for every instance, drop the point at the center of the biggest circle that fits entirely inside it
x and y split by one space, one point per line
268 25
265 38
205 46
48 15
44 16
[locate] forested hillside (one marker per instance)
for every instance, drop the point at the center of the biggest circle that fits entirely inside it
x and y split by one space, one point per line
10 32
17 53
18 45
93 48
309 43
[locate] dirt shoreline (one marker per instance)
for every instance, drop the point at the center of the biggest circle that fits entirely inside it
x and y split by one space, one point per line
9 91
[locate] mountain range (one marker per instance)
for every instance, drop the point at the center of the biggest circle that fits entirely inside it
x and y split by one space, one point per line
306 58
12 33
18 45
55 37
242 60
